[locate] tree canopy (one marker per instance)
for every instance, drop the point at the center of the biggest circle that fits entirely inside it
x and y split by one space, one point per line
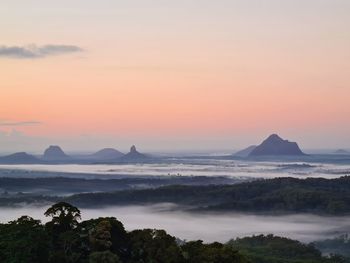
67 239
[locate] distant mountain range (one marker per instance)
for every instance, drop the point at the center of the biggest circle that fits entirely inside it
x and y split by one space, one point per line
274 146
54 154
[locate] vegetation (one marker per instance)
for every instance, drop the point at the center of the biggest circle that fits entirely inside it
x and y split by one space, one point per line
279 195
314 195
65 239
272 249
62 184
339 245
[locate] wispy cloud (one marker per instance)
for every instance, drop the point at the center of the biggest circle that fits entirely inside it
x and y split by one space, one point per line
34 51
19 123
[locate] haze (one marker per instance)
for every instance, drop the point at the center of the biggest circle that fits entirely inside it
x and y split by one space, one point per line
208 227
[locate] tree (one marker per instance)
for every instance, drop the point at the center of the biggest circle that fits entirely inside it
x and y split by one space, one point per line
151 245
23 240
197 252
66 241
103 257
100 228
100 236
64 216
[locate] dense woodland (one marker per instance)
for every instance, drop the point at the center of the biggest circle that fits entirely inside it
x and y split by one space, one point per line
67 239
279 195
62 184
313 195
338 245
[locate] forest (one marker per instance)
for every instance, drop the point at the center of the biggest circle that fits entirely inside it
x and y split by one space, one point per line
278 195
67 239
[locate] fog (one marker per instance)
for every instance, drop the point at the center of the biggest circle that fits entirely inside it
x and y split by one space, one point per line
198 167
208 227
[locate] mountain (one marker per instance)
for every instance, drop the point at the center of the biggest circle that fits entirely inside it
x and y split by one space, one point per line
107 154
55 153
245 152
341 151
134 156
275 145
19 158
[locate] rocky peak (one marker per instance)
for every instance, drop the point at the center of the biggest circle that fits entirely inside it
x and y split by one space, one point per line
275 145
133 149
54 152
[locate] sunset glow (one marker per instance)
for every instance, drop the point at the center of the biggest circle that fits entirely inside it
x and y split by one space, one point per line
180 69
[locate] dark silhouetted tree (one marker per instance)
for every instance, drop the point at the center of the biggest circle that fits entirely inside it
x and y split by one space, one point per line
64 216
23 240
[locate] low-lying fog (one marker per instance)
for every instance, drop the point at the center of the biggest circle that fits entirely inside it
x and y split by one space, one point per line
208 227
198 167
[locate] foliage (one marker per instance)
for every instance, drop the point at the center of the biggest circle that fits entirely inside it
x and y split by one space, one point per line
339 245
104 240
272 249
315 195
23 240
150 245
64 216
197 252
103 257
278 195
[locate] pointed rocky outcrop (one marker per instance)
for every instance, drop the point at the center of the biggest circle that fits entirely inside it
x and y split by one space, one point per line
55 153
276 146
134 156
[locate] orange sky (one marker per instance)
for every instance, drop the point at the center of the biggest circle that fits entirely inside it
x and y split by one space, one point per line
168 70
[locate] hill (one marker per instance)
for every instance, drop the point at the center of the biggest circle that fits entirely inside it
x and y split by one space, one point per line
134 156
279 195
55 153
275 146
341 151
245 152
106 154
19 158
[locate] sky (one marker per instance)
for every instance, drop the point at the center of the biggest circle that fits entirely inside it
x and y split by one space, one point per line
173 75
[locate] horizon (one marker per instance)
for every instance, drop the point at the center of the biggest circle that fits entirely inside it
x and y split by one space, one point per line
173 76
165 150
175 131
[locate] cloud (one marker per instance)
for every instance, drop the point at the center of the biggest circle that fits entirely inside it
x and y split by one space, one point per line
19 123
34 51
